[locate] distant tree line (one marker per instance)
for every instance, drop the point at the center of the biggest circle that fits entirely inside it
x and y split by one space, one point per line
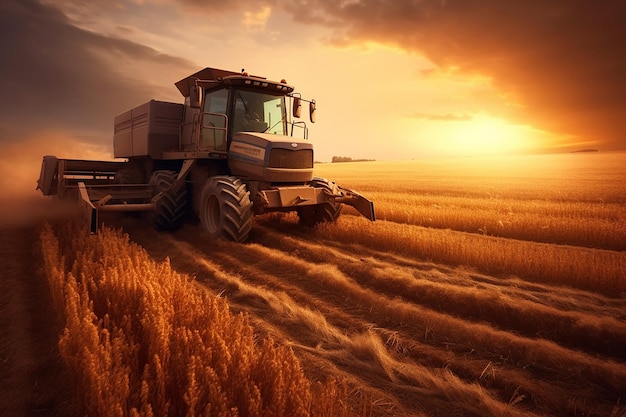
348 159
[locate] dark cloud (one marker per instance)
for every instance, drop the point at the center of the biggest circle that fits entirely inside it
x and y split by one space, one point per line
563 61
55 76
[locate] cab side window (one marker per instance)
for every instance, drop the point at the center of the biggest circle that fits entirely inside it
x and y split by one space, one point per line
214 122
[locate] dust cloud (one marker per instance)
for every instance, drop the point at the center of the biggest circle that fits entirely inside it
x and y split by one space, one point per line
21 211
21 204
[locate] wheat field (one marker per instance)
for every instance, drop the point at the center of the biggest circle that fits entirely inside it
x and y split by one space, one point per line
142 340
487 287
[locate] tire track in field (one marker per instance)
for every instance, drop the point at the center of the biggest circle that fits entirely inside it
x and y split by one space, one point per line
311 293
498 305
562 297
573 318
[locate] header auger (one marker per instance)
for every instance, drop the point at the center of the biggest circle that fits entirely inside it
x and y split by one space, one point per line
229 152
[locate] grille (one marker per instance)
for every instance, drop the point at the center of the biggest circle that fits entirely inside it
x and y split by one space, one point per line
285 158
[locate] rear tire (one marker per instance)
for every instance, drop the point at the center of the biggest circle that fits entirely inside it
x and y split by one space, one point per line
311 216
226 209
171 207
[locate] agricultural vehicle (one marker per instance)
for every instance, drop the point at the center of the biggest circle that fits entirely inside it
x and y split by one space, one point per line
231 151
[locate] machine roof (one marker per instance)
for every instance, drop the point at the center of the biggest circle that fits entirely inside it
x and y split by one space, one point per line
204 74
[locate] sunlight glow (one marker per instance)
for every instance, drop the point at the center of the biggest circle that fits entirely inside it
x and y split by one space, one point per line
486 135
482 134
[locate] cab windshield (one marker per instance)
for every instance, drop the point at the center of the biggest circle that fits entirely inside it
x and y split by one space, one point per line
256 111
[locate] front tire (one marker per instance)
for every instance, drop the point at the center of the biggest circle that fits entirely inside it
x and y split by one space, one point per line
226 209
327 212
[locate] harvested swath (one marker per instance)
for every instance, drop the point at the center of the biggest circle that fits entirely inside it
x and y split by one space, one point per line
590 269
602 372
520 311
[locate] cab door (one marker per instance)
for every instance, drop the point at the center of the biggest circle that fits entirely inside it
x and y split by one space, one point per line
214 121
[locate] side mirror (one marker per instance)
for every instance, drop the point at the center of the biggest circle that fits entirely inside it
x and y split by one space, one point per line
297 107
195 96
312 111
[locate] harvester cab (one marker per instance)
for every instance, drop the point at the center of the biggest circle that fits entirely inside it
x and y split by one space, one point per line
234 149
222 106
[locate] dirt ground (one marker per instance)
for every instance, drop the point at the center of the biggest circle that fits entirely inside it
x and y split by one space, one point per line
33 380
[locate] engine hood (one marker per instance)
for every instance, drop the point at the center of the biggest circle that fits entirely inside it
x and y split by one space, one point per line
271 158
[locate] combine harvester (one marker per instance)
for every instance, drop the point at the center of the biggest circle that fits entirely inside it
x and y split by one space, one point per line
228 153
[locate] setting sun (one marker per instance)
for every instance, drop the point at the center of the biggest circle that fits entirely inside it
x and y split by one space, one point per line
486 135
477 135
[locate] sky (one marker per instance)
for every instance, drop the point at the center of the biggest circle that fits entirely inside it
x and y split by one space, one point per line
393 80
